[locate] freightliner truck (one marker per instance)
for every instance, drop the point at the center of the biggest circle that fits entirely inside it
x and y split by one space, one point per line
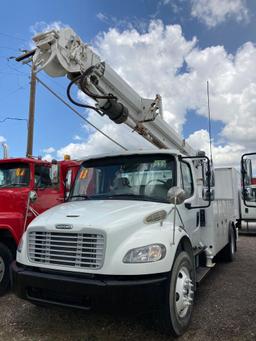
136 221
28 187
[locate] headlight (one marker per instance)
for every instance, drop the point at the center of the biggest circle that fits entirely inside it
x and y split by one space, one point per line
145 254
19 248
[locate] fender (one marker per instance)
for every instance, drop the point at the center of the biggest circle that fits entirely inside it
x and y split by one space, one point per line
11 231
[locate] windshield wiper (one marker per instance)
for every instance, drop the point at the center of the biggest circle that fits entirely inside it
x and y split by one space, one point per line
84 196
14 184
130 195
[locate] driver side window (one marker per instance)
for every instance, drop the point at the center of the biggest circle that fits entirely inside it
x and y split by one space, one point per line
42 177
187 180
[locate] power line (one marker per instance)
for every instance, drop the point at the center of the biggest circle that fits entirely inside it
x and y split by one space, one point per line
13 118
78 114
13 37
12 92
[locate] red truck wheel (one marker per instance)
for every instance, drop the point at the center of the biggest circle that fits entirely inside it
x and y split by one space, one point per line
5 261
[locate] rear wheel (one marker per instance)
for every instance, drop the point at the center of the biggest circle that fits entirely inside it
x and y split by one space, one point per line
180 295
6 258
228 253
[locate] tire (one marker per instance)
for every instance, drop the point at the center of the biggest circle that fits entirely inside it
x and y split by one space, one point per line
6 258
228 253
179 299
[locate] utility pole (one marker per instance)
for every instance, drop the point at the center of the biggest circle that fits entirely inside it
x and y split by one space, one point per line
31 116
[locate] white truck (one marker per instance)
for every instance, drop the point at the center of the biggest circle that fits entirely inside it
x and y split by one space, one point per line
143 222
247 217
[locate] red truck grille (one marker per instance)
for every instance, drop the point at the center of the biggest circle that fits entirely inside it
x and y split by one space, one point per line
79 250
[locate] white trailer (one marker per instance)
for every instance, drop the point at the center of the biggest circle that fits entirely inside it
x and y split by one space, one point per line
140 221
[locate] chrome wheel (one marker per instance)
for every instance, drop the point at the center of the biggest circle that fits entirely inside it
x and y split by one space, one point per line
184 293
2 269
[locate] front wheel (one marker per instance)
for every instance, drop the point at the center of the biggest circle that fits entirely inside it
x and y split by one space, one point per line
180 295
5 262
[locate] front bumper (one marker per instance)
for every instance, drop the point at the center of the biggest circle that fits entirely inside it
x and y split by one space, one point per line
86 291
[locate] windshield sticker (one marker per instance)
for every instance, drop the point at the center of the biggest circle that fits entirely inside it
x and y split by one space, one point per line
83 174
20 172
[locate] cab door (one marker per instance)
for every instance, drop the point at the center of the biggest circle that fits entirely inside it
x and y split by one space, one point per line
190 217
47 187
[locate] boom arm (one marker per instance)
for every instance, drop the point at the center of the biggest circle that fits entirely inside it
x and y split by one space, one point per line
62 52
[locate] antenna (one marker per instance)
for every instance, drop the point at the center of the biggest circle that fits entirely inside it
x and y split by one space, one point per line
209 120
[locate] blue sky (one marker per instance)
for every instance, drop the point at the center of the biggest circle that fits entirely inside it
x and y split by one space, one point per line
57 127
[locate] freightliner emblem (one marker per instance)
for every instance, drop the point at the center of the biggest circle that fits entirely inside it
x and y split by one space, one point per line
64 226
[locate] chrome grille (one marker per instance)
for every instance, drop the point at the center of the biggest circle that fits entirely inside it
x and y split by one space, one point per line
79 250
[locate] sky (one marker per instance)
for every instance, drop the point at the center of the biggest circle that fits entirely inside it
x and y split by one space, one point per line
159 46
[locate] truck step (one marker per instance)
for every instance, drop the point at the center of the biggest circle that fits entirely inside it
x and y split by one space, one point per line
201 272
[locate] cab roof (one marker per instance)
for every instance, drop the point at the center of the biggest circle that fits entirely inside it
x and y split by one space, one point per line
133 152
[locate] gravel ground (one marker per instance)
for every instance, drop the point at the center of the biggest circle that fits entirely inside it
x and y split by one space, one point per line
225 309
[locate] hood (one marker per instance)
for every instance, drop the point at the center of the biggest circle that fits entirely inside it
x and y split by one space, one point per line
98 213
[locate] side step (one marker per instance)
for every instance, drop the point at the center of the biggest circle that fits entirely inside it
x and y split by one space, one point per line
201 272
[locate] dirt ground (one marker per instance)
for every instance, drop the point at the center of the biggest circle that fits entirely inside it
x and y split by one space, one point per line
225 309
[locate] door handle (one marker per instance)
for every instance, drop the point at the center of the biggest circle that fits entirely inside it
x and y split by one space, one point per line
197 219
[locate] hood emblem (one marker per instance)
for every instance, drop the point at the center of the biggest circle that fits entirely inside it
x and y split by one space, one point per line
64 226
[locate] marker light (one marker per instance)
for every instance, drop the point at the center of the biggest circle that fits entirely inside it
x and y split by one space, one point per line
155 217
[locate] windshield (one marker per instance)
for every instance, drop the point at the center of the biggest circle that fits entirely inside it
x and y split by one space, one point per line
137 177
14 175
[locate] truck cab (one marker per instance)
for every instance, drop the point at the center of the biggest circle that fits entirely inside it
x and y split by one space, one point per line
137 222
20 180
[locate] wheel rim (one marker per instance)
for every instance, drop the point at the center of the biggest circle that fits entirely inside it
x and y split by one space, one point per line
183 292
2 269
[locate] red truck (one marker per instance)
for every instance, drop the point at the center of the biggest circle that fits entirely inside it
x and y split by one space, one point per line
28 187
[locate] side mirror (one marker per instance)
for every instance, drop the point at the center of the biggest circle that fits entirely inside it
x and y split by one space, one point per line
32 196
67 186
248 194
208 195
176 195
248 171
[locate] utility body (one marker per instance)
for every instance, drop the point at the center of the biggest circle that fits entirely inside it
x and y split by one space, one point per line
138 221
28 187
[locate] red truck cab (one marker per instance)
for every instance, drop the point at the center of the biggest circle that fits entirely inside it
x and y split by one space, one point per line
22 179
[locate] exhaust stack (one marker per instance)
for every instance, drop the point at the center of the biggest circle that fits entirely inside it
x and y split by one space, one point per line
5 151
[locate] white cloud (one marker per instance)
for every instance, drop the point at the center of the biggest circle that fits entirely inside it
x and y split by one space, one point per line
223 155
49 150
77 138
47 157
161 60
2 139
149 62
99 144
42 26
214 12
102 17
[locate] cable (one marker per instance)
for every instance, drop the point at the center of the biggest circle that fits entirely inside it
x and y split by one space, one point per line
77 113
78 103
